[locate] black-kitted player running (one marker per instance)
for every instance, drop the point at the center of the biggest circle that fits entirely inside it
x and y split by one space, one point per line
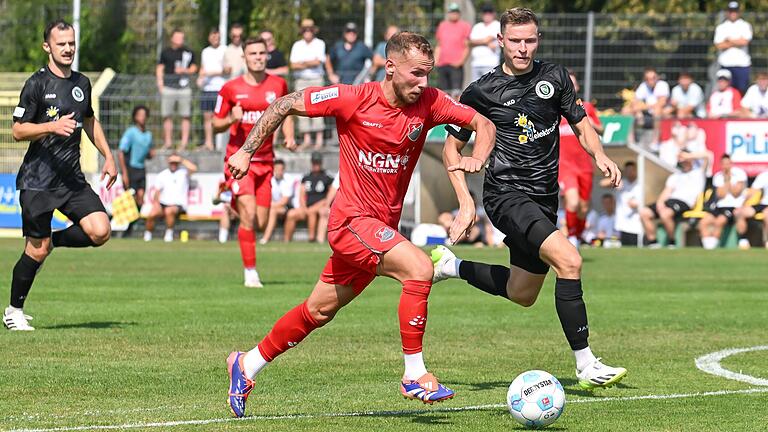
525 98
53 110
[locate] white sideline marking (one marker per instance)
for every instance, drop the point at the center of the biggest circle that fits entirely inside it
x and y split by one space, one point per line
378 413
710 364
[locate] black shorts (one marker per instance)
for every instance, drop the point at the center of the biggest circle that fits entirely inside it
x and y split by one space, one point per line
526 221
724 211
208 101
137 178
37 208
676 205
759 208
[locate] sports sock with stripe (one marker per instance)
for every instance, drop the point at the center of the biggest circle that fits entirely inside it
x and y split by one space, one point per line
412 313
572 312
287 332
23 275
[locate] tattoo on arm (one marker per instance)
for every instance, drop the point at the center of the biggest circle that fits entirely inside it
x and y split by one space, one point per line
274 115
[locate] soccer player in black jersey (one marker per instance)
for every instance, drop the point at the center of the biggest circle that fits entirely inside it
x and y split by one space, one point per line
525 98
54 108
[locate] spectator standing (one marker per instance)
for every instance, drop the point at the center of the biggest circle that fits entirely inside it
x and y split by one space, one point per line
171 195
234 63
312 199
754 104
347 57
687 100
210 80
725 101
759 185
282 195
276 64
452 50
174 74
650 99
484 42
135 149
732 38
729 184
380 53
307 59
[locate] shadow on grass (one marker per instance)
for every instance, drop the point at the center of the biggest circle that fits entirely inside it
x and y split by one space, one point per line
91 325
572 388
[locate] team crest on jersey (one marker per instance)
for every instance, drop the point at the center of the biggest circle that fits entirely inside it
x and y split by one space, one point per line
52 112
385 234
270 96
545 89
414 130
77 94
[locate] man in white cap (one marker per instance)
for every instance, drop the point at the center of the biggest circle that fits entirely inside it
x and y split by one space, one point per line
725 101
732 38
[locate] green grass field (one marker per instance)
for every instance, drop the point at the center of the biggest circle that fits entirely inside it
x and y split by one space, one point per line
136 335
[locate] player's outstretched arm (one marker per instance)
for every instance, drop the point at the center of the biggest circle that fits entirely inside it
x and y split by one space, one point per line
485 140
465 218
590 142
92 128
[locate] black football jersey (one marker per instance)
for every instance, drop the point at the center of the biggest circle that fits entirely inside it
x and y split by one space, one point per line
53 162
526 110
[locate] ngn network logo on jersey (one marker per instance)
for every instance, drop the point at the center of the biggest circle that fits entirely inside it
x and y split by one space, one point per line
381 163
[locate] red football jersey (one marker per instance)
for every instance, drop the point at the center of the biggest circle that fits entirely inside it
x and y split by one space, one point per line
570 149
254 100
379 145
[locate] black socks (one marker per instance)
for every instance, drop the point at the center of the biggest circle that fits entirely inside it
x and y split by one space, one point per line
572 312
23 275
489 278
74 236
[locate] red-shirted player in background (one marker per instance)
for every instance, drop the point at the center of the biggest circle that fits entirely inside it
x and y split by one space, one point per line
240 104
576 172
382 127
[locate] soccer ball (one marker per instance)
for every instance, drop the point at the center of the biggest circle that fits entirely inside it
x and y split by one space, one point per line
536 399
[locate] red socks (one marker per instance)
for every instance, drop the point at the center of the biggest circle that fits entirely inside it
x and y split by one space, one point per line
575 225
412 312
247 240
287 332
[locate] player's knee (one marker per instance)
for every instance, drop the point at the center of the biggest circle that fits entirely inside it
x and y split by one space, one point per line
100 235
38 254
524 299
569 266
421 269
322 314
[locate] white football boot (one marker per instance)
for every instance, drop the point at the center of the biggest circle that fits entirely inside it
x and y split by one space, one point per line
15 319
444 264
252 279
598 374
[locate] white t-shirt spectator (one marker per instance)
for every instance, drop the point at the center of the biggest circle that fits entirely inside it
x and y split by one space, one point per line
756 101
737 175
686 186
303 51
734 56
761 182
628 219
723 103
282 188
651 95
606 224
174 187
694 97
482 55
212 62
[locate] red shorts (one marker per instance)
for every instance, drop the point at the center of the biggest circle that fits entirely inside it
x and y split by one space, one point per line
357 248
257 182
572 176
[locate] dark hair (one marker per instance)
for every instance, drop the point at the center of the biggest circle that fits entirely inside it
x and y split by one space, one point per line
279 162
518 16
213 30
650 69
725 156
59 24
138 108
685 74
607 195
176 30
405 41
236 25
630 164
254 40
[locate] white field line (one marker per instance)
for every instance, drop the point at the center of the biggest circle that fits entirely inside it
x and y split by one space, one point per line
377 413
710 364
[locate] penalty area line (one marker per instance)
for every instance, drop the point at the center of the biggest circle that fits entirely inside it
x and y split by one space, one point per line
379 413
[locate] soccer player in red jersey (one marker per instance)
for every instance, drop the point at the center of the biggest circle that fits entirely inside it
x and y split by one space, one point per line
382 127
240 104
576 171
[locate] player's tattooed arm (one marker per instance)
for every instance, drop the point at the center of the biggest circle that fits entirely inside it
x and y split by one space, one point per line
276 113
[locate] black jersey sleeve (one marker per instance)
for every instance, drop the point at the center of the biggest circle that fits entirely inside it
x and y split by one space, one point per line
572 111
88 112
29 101
470 97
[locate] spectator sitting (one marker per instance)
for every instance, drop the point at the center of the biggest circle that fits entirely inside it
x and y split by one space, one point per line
234 62
729 185
627 219
229 214
754 104
760 185
689 142
322 222
687 99
650 98
312 199
282 195
276 64
210 80
347 57
307 59
732 38
171 195
173 74
136 147
380 53
485 46
604 228
680 192
452 50
725 101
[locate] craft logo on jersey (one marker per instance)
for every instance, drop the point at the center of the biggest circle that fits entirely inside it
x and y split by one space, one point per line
414 130
52 112
385 234
77 94
381 163
545 89
323 95
530 134
270 96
